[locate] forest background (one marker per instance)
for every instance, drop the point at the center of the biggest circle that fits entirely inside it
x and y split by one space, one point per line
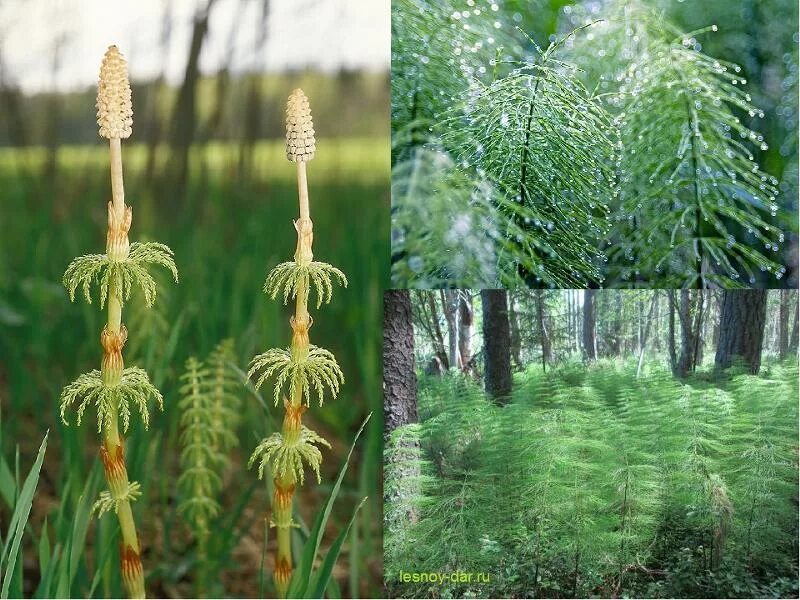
581 443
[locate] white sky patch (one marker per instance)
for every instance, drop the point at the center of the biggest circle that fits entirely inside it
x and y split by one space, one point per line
324 35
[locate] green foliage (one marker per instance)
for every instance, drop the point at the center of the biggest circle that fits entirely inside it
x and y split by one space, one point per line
316 371
288 456
199 482
224 385
618 155
134 388
602 484
292 277
693 203
306 582
547 144
10 545
119 275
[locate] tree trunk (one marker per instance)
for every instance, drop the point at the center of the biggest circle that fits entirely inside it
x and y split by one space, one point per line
646 332
399 377
589 325
449 300
544 336
431 319
615 342
184 119
794 340
783 325
741 327
516 343
497 344
465 320
688 343
673 362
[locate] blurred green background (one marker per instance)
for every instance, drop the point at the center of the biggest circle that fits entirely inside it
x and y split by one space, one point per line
205 173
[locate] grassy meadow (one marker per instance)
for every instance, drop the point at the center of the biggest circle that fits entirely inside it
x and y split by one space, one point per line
227 230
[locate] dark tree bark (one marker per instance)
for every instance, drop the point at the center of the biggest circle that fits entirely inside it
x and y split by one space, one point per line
516 342
687 358
589 324
783 325
673 361
449 300
544 336
741 327
465 320
794 340
615 341
184 120
497 344
399 377
429 321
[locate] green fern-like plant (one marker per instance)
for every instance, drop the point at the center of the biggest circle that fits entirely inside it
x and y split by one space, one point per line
694 208
223 387
209 416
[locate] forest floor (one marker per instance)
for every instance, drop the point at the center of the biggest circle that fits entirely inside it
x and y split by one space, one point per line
592 482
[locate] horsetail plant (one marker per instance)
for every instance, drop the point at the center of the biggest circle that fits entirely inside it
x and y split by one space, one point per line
114 388
208 418
301 369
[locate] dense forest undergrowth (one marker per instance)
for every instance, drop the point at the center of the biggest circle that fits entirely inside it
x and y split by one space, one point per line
592 482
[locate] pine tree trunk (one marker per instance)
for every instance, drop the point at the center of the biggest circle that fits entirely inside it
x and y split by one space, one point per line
589 324
794 340
399 377
465 318
783 325
516 343
543 335
688 343
741 327
497 344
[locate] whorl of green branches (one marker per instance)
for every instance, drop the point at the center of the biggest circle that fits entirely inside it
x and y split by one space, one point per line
288 457
314 372
122 274
591 478
134 389
293 278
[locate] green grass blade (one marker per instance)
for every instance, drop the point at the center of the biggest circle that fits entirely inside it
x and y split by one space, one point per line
44 549
302 576
323 575
20 518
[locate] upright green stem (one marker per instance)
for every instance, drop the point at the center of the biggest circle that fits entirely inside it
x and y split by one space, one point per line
301 322
113 340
